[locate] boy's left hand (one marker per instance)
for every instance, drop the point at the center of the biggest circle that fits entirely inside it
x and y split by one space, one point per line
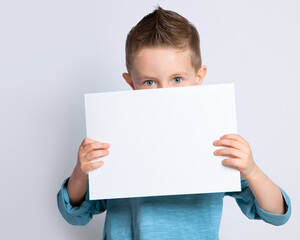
239 151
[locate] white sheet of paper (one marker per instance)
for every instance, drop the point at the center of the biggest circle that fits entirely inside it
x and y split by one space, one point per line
161 141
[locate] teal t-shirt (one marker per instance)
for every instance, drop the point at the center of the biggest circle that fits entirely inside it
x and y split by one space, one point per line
189 216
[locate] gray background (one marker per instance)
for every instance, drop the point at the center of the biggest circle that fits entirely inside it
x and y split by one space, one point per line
52 52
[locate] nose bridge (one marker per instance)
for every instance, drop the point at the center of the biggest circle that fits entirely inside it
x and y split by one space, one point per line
163 83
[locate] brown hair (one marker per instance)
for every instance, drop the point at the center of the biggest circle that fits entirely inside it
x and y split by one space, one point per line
163 28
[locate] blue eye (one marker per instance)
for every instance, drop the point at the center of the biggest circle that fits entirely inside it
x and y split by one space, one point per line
177 79
149 81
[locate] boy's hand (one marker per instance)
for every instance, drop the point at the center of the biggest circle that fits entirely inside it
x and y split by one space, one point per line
238 149
89 150
78 182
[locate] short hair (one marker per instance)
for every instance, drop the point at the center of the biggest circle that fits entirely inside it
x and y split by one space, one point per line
167 29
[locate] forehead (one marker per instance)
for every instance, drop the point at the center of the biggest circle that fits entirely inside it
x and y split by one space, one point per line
161 60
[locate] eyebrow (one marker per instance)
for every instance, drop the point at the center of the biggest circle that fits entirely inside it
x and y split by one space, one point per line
144 77
179 74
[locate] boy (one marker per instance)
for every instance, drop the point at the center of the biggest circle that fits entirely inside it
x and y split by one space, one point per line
163 50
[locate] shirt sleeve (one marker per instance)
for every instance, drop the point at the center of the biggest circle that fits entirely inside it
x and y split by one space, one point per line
82 214
249 206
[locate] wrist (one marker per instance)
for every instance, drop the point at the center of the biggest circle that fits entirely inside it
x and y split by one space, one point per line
254 174
79 175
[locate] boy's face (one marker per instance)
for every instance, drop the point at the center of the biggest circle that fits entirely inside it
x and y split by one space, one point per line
162 67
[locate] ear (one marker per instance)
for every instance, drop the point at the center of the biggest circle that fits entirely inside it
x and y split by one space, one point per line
128 79
200 75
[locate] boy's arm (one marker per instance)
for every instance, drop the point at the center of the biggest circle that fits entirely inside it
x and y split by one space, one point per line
78 215
77 187
249 206
73 198
266 192
268 196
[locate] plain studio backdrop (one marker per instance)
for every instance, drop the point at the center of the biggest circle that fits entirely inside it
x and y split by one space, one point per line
52 52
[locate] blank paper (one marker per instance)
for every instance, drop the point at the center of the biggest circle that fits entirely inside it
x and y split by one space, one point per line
161 141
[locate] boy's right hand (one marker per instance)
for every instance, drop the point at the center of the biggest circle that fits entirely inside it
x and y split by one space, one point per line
89 150
78 182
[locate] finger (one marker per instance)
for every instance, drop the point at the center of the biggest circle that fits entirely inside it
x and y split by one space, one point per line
235 137
86 141
95 145
233 162
230 152
93 165
229 143
95 154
